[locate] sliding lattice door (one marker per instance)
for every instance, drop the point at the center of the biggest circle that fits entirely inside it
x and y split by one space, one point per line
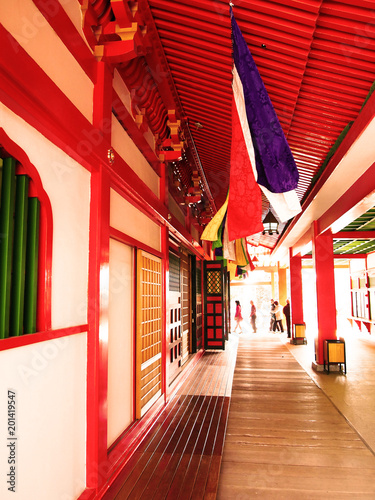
196 304
185 307
174 325
149 321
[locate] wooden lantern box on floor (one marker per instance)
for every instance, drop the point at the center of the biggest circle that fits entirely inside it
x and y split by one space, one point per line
299 334
334 354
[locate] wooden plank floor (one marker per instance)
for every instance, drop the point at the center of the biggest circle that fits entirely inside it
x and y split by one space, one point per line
181 457
285 439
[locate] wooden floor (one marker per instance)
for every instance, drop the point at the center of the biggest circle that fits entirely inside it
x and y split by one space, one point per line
181 458
285 439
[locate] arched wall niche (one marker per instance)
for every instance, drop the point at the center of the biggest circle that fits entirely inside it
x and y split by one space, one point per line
9 148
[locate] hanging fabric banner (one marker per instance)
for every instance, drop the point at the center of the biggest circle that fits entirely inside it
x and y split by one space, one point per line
270 156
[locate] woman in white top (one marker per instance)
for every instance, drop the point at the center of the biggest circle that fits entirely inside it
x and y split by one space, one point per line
278 323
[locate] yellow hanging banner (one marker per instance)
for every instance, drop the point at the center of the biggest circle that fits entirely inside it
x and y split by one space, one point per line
211 230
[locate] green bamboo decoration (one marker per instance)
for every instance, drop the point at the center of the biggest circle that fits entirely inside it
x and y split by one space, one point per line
31 277
6 241
19 256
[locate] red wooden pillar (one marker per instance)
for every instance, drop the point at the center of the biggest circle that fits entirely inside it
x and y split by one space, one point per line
165 281
102 109
296 297
163 184
325 288
97 364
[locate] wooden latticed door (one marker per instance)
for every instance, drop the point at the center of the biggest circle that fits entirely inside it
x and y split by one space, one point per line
196 304
214 305
149 321
174 325
185 307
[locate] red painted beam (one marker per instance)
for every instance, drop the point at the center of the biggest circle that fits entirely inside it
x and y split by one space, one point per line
342 256
354 235
358 191
350 204
31 94
66 31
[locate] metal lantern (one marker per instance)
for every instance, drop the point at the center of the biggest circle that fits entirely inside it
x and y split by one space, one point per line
270 224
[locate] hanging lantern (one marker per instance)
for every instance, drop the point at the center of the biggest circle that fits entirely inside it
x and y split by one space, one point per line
270 224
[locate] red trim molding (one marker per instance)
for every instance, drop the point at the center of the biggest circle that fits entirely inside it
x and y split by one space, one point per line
34 338
354 235
123 238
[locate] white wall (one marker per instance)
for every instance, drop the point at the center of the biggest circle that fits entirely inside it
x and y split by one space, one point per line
124 95
176 210
73 10
120 339
124 145
68 187
371 260
49 379
126 218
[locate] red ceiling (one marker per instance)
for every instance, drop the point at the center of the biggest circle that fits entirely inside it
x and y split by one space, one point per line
316 58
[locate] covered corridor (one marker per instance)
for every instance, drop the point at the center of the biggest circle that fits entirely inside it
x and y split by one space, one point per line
134 196
291 432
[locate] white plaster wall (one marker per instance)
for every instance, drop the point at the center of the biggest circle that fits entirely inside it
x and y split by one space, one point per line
125 97
73 10
358 265
133 157
68 186
176 210
49 379
122 91
120 339
33 32
371 260
133 223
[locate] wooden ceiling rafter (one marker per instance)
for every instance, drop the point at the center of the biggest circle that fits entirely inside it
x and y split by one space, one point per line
316 69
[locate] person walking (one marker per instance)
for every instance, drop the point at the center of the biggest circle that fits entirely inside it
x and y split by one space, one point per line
253 316
286 311
238 316
272 312
278 323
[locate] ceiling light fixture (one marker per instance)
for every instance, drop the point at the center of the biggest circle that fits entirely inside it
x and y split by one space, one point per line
270 224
